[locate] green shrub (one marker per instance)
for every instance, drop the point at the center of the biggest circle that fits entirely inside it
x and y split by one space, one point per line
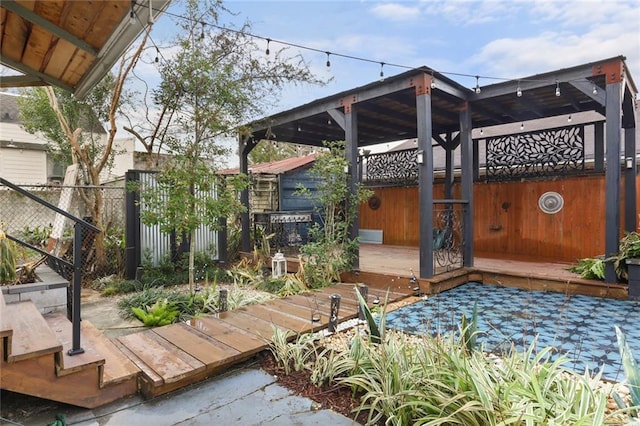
159 314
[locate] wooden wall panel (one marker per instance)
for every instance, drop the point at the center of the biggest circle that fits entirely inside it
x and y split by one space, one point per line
508 222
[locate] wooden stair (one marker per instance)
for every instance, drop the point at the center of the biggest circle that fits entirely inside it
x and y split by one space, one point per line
34 359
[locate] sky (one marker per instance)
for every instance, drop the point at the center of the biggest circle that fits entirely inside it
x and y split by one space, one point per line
496 40
503 39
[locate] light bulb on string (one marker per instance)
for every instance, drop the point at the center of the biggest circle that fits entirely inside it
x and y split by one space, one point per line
519 90
381 70
202 31
477 88
557 88
268 51
595 89
132 13
482 131
157 59
433 81
569 119
328 61
522 126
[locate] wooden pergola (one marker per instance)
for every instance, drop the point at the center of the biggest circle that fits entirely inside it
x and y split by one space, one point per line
66 43
432 108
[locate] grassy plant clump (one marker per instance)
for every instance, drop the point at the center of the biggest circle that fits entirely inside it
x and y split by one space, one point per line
406 380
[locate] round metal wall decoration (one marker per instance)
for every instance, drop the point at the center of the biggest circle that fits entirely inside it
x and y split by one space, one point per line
551 202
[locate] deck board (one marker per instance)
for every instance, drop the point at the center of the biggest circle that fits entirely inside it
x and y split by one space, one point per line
168 362
229 335
68 364
279 319
32 336
291 309
259 327
197 346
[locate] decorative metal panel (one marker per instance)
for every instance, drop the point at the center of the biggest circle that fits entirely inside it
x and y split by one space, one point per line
536 154
396 167
447 238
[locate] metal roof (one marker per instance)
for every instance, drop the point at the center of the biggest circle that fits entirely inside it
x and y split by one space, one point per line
66 43
386 110
274 167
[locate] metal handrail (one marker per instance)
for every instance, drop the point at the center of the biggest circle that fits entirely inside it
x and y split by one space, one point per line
76 282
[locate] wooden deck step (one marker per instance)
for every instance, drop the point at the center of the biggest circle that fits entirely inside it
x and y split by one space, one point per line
200 346
160 356
6 329
117 367
68 364
32 336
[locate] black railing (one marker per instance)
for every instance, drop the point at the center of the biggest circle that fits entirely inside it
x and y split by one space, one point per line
76 283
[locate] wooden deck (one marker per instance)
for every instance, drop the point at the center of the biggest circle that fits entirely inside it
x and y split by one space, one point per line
177 355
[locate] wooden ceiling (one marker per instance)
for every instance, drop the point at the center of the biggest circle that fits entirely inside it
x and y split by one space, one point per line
68 43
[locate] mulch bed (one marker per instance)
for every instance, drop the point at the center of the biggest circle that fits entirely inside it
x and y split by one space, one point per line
332 397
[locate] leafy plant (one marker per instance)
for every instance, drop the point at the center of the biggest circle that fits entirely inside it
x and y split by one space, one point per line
160 313
594 267
292 356
469 330
590 268
8 254
376 332
632 372
331 250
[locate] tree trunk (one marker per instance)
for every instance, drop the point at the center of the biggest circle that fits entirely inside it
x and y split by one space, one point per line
192 256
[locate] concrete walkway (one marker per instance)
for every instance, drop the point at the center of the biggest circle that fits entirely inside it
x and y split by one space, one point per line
246 397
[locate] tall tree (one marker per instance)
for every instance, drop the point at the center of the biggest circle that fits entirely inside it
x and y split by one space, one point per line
215 82
71 128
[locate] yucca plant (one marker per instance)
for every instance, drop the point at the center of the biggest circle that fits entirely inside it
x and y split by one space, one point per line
632 372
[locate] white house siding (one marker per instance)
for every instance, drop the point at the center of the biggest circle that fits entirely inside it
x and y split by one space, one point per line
23 166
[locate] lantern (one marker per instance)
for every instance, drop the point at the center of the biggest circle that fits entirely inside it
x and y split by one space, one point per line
278 265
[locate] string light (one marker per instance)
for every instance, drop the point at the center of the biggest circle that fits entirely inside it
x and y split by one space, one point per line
328 61
132 13
202 32
433 81
522 126
157 55
519 90
482 131
477 89
595 89
381 70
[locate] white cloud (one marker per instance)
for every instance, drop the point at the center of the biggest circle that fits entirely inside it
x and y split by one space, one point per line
396 11
469 12
582 34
